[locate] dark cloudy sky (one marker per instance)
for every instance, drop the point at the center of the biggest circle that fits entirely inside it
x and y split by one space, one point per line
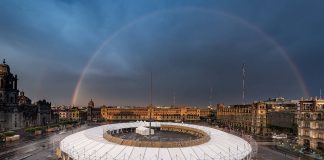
189 46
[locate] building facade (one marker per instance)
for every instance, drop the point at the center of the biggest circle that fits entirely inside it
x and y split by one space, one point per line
72 114
250 118
93 113
281 115
44 112
16 110
272 115
283 121
310 119
177 114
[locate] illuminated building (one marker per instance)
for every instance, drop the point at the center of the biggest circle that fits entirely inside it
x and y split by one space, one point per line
310 118
112 113
250 118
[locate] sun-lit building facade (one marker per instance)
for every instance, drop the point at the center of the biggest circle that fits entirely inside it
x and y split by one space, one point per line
183 113
72 114
250 118
310 119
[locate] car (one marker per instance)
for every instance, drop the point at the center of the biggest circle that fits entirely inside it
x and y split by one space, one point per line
306 150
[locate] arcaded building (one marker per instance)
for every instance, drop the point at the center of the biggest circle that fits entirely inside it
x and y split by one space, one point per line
310 120
250 118
153 113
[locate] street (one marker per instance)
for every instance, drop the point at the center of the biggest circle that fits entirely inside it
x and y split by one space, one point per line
37 149
265 153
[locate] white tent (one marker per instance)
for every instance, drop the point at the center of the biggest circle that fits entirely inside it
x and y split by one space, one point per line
90 143
144 131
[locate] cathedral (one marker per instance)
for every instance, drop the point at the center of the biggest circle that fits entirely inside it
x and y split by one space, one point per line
17 110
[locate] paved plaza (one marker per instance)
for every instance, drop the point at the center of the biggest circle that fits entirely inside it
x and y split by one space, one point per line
158 135
42 148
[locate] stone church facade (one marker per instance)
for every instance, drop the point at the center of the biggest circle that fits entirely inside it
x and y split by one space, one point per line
16 110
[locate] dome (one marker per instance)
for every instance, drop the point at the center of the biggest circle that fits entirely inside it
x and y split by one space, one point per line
22 99
91 103
4 68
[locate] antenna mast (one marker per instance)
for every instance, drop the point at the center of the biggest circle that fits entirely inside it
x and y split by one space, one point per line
320 93
243 83
174 98
151 105
151 89
210 97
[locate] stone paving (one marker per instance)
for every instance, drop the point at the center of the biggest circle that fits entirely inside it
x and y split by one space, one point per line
162 136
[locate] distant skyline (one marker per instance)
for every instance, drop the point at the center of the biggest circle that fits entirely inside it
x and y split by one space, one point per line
70 51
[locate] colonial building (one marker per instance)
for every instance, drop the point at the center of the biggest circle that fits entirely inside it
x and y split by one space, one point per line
205 112
72 114
17 112
310 119
281 104
93 113
179 114
281 115
63 114
44 112
276 114
250 118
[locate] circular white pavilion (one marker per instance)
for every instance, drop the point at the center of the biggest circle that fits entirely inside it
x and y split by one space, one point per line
90 144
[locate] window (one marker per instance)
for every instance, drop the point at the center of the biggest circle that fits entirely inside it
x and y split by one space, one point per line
321 135
320 126
321 107
307 116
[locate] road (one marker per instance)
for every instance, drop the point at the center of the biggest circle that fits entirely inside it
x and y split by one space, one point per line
38 149
265 153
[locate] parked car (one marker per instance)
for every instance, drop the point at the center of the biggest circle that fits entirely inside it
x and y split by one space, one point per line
306 150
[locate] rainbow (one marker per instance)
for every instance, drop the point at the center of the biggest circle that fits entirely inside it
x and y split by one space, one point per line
283 52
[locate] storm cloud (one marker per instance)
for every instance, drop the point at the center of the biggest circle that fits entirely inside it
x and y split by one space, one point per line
189 46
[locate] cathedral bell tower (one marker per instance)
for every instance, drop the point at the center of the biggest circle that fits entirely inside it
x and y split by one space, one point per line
89 110
8 85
